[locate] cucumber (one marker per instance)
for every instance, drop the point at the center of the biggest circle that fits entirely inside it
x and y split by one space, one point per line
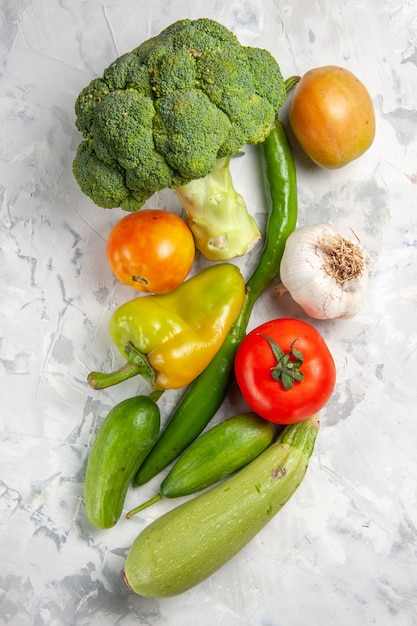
124 439
189 543
220 451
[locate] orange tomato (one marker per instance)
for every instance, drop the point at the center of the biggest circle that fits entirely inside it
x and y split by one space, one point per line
332 116
151 250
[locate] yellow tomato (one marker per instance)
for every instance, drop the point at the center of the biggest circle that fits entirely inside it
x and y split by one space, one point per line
332 116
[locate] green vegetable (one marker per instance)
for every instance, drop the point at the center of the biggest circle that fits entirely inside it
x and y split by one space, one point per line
222 450
162 114
122 442
206 393
189 543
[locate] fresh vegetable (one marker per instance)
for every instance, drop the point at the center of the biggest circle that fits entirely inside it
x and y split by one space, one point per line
169 339
220 451
162 114
285 370
122 442
152 250
325 273
332 116
218 216
205 395
189 543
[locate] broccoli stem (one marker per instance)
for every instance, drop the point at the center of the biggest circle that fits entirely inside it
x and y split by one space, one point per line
217 215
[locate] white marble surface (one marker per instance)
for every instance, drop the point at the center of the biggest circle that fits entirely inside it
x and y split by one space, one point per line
344 549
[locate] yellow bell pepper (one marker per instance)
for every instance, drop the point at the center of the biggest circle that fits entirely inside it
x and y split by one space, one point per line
171 338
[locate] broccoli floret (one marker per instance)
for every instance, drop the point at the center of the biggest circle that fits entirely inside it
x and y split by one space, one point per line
163 114
188 130
101 181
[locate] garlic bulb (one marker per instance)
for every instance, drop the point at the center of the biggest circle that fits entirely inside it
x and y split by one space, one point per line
325 273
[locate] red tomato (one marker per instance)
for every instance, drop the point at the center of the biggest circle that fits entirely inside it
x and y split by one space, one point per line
151 250
262 374
332 116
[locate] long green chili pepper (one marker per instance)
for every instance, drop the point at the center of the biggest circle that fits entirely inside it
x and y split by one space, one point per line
207 392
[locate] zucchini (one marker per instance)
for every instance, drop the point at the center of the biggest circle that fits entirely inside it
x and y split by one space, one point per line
192 541
124 439
220 451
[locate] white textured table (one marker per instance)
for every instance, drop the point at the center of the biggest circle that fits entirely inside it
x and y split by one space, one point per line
344 549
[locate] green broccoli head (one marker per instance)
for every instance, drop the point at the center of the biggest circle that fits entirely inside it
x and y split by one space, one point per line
163 113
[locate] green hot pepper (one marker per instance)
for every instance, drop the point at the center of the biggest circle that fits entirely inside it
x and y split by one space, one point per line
207 392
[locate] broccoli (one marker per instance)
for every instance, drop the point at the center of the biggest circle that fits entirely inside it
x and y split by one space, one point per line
172 112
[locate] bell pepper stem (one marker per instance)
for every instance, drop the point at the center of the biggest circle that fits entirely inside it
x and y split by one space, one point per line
136 364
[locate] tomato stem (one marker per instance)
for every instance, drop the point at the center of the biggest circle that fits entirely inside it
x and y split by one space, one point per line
287 369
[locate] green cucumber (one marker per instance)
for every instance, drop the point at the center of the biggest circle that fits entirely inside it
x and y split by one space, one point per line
220 451
123 440
183 547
